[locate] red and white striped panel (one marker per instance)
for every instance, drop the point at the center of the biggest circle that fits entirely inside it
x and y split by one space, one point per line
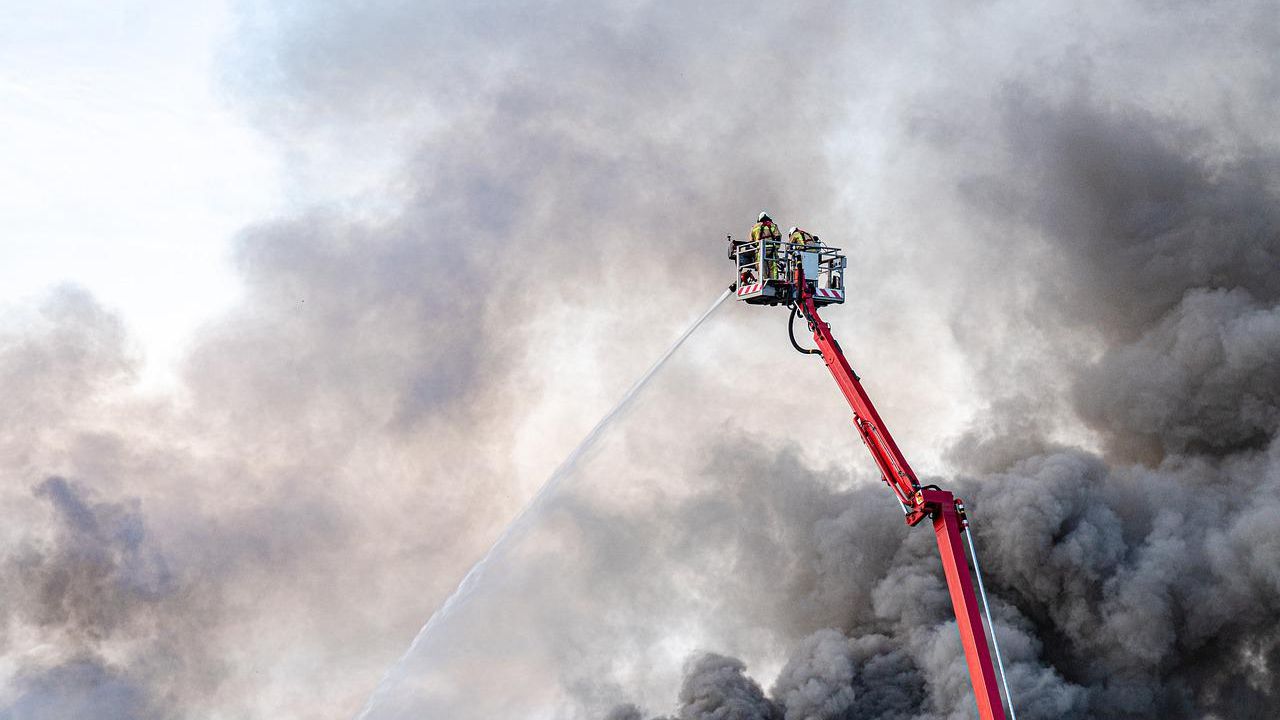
829 294
748 289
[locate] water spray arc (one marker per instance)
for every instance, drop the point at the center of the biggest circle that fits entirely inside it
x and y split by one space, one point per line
804 276
524 520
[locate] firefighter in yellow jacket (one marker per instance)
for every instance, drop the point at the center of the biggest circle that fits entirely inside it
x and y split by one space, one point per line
800 237
766 232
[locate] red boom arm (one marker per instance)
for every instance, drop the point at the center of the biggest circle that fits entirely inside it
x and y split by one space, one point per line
946 511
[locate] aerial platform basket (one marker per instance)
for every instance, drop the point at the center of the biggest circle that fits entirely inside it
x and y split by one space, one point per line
767 278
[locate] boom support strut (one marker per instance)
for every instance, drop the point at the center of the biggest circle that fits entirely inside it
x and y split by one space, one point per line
944 509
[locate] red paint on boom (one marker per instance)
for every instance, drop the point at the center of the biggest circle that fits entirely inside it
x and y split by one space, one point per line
772 272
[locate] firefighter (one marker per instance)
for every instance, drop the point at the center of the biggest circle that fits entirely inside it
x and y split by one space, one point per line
800 237
805 241
767 234
764 228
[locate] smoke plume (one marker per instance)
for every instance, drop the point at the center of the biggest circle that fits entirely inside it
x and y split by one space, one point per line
1063 235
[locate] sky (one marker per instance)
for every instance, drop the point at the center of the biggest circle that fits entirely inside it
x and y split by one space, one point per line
302 304
128 169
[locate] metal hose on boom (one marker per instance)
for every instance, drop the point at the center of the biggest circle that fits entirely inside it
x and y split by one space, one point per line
791 332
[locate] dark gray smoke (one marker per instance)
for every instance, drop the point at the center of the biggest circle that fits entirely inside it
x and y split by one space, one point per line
96 582
831 676
1143 581
715 688
1063 237
98 571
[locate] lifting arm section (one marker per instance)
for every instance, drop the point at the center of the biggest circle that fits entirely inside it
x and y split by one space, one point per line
944 509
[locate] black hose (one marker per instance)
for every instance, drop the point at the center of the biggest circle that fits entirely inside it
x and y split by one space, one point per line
791 332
